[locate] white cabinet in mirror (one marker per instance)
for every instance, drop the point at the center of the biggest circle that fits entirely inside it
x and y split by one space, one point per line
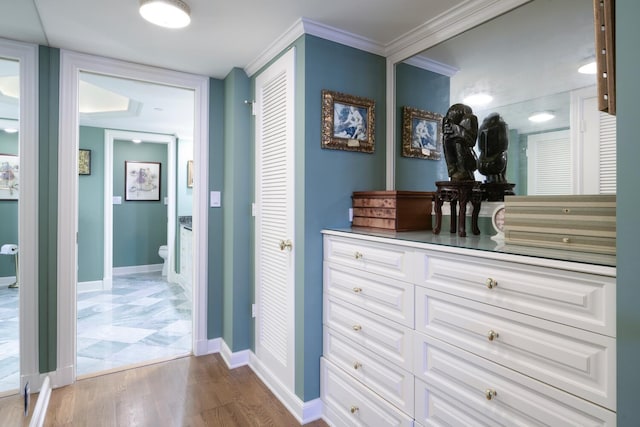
527 61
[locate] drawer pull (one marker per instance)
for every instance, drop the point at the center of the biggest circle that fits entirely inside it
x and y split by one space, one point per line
357 328
490 393
357 290
354 409
566 210
358 255
491 283
492 335
357 365
566 240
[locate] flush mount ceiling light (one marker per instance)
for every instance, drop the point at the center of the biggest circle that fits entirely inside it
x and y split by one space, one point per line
136 141
478 99
166 13
542 116
589 68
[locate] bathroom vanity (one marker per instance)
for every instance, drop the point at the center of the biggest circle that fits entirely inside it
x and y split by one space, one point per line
421 329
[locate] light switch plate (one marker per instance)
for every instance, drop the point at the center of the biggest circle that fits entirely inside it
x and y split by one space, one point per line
117 200
214 199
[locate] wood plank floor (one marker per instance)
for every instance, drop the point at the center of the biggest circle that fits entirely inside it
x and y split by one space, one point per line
191 391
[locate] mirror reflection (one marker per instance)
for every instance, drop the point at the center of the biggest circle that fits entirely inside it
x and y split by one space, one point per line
525 66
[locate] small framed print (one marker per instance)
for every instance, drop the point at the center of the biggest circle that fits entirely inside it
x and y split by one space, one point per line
421 134
9 177
142 181
84 162
348 122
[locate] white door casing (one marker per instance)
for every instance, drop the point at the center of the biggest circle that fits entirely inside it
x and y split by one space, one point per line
274 250
71 64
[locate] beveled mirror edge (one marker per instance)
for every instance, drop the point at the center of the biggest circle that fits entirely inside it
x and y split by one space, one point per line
468 15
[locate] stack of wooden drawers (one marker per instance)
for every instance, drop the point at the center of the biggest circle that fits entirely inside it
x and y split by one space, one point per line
580 222
392 210
418 334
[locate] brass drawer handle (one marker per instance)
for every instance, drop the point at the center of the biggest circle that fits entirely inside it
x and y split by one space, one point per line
357 328
357 365
286 245
492 335
491 283
354 409
358 255
566 240
490 393
357 290
566 210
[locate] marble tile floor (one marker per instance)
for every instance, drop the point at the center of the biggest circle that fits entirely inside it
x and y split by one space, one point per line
142 318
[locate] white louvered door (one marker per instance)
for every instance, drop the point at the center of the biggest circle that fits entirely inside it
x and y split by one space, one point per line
274 250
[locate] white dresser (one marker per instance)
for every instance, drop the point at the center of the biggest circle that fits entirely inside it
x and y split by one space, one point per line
429 335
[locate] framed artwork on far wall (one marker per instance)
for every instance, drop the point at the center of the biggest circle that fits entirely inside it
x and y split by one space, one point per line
348 122
9 177
421 134
190 173
142 181
84 162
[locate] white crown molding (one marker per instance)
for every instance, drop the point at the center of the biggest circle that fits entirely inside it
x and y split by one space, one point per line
307 26
446 25
431 65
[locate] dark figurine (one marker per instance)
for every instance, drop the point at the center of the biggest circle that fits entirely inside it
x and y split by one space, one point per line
459 132
493 142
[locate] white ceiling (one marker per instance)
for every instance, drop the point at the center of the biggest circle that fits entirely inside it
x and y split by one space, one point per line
224 35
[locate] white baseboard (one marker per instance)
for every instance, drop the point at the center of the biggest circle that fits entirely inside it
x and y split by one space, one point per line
234 360
203 347
133 269
304 412
95 285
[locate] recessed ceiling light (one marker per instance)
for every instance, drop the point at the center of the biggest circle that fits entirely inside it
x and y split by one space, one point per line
590 68
542 116
10 130
136 141
166 13
478 99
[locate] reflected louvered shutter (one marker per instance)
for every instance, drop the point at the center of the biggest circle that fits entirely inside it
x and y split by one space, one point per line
549 164
607 154
274 219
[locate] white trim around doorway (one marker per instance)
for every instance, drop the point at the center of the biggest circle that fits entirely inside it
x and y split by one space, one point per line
71 64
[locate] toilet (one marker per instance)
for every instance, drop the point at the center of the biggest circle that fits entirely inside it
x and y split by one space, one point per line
162 251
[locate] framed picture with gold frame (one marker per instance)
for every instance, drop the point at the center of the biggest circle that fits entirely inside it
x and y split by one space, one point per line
84 162
348 122
421 134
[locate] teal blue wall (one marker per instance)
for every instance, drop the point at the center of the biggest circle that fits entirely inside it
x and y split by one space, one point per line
8 210
48 116
216 224
91 208
236 203
329 177
429 91
628 206
139 227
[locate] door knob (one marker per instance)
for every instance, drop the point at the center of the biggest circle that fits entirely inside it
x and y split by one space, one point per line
492 335
490 393
286 245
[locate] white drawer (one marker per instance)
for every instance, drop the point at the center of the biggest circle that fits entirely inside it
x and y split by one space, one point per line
387 297
389 260
384 378
586 301
580 362
349 403
388 339
452 386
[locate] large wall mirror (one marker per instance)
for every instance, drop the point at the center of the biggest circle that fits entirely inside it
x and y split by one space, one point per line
528 61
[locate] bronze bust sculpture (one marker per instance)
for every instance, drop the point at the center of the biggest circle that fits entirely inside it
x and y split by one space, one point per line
460 130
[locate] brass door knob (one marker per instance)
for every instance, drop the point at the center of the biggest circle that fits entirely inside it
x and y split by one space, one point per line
490 393
286 245
492 335
491 283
